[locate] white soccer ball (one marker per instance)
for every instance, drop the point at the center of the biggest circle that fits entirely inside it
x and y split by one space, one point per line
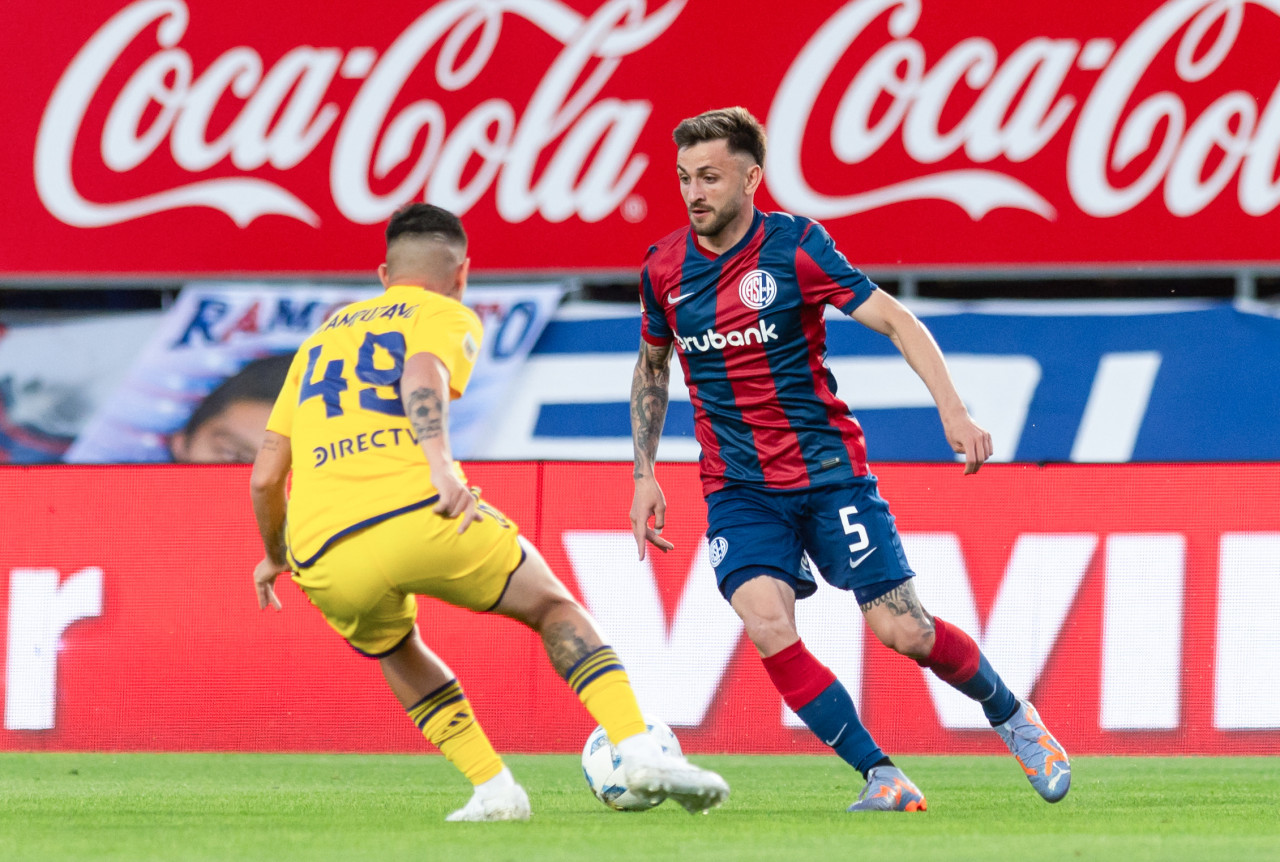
603 767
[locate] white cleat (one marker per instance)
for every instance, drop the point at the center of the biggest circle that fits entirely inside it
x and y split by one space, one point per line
510 803
657 778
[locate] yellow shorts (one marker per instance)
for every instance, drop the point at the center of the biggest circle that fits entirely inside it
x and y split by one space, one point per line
364 584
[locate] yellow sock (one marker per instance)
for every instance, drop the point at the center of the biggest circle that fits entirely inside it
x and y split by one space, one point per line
602 685
445 718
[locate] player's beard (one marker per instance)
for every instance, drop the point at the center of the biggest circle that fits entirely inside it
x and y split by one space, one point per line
719 223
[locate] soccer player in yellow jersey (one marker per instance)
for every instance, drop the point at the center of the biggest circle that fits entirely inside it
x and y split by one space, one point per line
379 511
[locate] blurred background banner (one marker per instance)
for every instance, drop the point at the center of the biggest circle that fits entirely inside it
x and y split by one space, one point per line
1128 600
163 136
56 374
1072 381
213 331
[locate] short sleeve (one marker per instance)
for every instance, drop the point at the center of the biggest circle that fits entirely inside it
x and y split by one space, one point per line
825 275
654 326
281 419
452 333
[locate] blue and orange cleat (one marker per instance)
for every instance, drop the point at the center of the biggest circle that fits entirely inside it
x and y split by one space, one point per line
888 789
1042 757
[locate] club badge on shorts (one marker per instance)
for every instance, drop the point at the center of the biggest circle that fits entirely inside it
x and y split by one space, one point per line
717 549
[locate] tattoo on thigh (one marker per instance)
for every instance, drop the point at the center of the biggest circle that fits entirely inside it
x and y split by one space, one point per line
565 647
902 601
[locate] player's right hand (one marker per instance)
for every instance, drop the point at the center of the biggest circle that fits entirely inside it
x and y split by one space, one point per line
969 439
647 502
456 500
264 580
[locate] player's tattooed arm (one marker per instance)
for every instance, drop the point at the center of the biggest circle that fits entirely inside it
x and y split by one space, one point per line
649 393
902 601
648 411
565 647
275 540
267 483
426 412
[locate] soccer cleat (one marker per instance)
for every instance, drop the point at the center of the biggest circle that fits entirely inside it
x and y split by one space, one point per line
666 776
509 803
889 789
1042 758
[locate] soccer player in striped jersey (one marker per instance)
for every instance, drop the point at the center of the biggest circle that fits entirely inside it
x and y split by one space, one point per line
379 512
739 295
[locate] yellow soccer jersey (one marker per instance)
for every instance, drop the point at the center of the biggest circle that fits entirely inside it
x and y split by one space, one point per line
355 458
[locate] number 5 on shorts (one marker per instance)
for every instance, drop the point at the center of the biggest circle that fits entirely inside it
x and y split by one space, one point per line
852 528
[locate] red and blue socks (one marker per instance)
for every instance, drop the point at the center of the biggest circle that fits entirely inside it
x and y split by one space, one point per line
824 705
956 660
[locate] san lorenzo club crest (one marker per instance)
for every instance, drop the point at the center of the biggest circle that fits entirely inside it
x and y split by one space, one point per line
717 549
757 289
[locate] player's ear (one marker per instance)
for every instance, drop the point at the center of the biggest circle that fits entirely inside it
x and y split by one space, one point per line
460 280
382 275
755 174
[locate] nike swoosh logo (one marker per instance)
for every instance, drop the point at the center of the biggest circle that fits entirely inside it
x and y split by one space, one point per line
676 300
835 740
853 564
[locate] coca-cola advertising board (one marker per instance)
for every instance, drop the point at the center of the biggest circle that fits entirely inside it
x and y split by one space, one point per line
1135 604
187 136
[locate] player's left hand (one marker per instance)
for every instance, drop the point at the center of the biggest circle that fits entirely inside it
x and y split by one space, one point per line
456 500
970 439
264 579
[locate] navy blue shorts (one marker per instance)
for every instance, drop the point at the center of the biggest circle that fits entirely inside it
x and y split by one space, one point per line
845 529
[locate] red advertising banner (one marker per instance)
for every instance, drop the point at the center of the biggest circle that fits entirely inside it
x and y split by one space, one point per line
1135 604
192 137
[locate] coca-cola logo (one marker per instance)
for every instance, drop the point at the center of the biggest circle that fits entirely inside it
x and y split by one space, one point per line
571 149
587 143
1021 106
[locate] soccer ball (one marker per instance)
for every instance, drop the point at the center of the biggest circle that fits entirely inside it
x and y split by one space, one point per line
603 767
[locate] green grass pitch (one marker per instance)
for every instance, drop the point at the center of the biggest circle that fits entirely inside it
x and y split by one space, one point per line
350 807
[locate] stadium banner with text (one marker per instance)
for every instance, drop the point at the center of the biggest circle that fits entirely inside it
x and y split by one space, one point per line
193 136
1094 382
209 336
1135 604
1082 381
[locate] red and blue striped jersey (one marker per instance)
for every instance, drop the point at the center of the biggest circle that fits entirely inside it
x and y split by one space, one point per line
749 330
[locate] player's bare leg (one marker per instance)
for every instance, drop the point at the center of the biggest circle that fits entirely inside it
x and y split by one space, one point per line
901 623
578 653
429 692
413 670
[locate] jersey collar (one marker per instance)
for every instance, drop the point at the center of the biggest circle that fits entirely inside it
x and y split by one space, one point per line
756 218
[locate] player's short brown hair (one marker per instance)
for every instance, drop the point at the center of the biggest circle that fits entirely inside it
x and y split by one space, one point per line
736 126
426 220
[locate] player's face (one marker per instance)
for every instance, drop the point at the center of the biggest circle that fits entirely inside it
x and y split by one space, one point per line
232 437
716 185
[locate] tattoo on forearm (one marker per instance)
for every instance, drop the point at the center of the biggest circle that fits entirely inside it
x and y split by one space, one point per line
564 646
649 385
426 413
902 601
277 547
